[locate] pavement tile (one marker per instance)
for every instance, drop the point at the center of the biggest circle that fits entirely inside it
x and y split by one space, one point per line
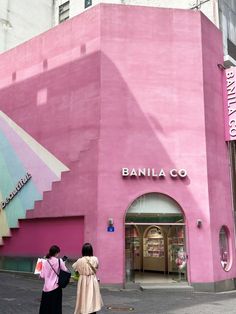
20 294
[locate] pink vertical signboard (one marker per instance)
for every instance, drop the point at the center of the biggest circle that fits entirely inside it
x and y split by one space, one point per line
230 104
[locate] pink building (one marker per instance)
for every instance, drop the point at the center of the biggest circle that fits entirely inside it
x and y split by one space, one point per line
112 132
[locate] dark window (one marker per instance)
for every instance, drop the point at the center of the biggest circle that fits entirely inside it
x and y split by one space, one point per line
64 11
231 49
87 3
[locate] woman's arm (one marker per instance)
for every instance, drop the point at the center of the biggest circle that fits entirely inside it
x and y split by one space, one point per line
97 263
74 266
62 265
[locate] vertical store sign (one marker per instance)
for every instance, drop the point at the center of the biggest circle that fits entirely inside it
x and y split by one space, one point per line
230 104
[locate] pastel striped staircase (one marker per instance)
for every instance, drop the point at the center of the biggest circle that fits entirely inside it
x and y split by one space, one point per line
21 154
64 197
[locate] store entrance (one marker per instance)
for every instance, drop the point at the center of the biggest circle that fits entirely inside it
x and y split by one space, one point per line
155 243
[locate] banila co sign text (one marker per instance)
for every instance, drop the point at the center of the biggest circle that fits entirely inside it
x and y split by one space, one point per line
153 172
230 104
18 187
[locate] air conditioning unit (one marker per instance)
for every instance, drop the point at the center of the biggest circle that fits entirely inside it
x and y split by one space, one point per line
229 61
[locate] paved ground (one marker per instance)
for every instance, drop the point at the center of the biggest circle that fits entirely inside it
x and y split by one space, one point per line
19 294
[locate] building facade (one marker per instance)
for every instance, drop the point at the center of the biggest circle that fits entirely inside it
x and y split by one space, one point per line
113 135
17 26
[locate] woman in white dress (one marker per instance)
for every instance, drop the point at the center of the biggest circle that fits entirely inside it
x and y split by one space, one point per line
89 298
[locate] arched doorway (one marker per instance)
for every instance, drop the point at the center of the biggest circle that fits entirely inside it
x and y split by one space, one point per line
155 244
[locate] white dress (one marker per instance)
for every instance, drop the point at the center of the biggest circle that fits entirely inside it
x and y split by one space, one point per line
89 298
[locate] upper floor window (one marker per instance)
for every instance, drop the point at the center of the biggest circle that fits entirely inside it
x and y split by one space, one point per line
64 11
87 3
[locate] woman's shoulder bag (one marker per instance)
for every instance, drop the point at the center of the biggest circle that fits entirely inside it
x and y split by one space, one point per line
63 276
92 268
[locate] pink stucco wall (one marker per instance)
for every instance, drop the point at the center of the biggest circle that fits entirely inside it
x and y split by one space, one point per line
35 237
66 70
219 189
128 87
159 105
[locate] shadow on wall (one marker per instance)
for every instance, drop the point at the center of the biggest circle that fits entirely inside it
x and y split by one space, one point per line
81 103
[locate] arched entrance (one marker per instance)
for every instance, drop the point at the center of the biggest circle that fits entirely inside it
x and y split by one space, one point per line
155 246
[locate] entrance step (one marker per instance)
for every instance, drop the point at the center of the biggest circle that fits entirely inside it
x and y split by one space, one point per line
167 286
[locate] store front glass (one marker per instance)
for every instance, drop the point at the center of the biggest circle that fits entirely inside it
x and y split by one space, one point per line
132 251
155 240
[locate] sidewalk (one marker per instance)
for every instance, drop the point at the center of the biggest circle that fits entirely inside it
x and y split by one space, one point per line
21 294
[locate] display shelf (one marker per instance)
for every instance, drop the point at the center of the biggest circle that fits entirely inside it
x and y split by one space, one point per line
174 245
153 250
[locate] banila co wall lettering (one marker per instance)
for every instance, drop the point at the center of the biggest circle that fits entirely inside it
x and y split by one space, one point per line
230 104
152 172
18 187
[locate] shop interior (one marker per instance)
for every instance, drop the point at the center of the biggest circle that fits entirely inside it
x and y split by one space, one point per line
155 253
155 242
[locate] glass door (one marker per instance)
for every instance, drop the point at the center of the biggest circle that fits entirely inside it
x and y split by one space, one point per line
177 257
129 252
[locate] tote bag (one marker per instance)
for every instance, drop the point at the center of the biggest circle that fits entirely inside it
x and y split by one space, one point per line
63 276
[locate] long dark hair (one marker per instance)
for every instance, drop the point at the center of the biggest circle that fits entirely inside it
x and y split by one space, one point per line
87 249
53 251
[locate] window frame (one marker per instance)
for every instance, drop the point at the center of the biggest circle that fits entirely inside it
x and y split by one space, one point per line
63 12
